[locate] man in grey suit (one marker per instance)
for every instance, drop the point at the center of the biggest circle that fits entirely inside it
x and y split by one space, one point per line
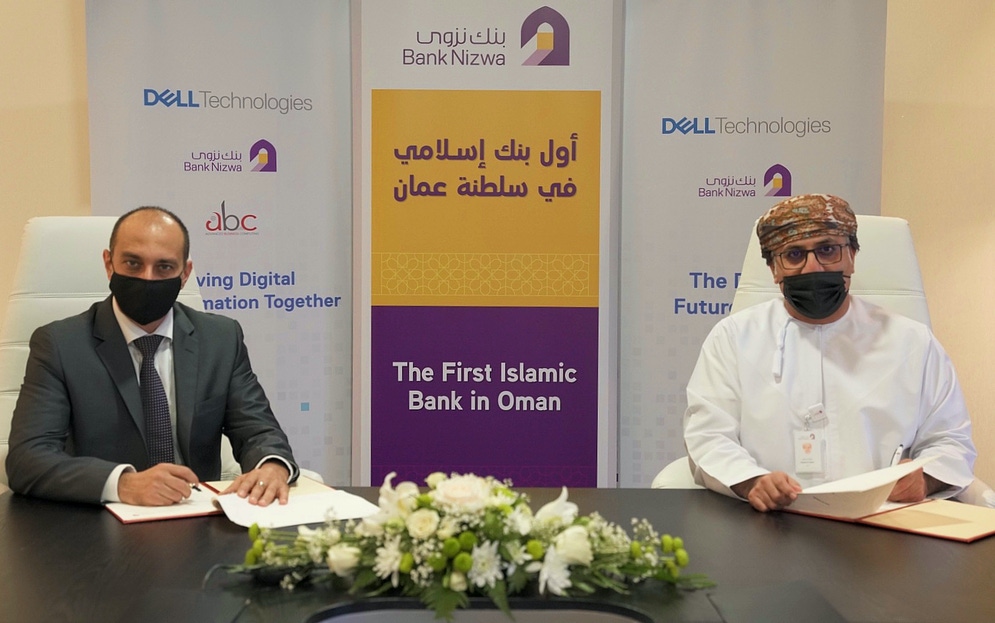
79 432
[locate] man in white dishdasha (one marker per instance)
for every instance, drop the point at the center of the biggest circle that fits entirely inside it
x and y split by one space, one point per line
821 385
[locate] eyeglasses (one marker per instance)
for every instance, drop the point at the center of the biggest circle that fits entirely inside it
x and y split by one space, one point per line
826 254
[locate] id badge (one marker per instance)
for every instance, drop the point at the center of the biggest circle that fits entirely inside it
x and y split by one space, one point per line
809 447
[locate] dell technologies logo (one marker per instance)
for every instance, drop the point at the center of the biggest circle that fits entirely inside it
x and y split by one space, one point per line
687 126
168 98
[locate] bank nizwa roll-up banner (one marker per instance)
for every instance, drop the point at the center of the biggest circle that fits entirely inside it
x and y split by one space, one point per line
483 221
729 108
236 116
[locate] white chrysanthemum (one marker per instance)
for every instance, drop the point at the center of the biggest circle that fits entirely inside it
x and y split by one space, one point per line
554 574
520 520
517 555
388 560
486 569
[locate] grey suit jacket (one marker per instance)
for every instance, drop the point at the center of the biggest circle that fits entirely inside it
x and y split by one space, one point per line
79 412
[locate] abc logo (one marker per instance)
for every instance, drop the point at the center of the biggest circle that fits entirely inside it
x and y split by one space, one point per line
222 221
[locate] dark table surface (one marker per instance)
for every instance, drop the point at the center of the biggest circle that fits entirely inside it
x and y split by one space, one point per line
65 562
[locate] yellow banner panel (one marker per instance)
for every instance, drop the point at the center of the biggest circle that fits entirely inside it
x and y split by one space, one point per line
485 198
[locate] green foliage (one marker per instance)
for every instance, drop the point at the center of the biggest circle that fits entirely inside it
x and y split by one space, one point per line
469 535
443 601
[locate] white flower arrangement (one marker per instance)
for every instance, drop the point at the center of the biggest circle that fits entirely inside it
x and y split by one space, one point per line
470 535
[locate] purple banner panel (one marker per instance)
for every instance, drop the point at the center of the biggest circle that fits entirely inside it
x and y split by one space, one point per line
507 392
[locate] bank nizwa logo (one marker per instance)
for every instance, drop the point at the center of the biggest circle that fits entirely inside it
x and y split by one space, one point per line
263 155
777 181
551 35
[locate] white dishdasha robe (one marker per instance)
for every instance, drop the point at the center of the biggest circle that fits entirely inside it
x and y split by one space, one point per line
882 379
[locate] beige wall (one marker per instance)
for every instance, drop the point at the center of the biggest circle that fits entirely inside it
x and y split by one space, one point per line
939 156
939 162
44 141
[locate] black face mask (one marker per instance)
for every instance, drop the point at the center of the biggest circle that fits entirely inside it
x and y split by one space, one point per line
815 295
142 300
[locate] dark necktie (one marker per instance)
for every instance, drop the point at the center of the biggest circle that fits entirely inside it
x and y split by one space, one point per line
158 430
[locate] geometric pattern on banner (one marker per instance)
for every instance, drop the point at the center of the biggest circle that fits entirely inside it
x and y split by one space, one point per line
485 274
528 475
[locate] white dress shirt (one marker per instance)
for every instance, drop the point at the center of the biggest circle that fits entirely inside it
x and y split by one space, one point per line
164 366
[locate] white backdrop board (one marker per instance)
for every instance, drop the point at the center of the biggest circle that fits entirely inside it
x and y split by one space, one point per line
728 107
236 116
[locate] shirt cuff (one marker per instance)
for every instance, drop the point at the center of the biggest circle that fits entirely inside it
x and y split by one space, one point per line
294 472
109 494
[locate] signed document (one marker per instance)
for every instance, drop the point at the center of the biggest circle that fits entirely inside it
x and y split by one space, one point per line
864 499
310 502
299 509
199 503
854 497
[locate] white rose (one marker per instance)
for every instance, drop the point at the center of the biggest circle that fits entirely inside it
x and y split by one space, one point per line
407 489
574 546
342 559
422 523
434 479
557 510
457 582
469 493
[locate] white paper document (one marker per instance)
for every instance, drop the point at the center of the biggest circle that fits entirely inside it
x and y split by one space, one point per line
856 496
312 508
199 503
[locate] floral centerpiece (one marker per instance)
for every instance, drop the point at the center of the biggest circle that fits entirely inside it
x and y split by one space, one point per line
470 535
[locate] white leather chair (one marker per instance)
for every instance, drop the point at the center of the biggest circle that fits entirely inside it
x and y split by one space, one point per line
886 273
60 273
676 475
887 270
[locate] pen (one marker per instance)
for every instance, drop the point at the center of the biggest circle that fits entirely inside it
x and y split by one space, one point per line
898 454
194 486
